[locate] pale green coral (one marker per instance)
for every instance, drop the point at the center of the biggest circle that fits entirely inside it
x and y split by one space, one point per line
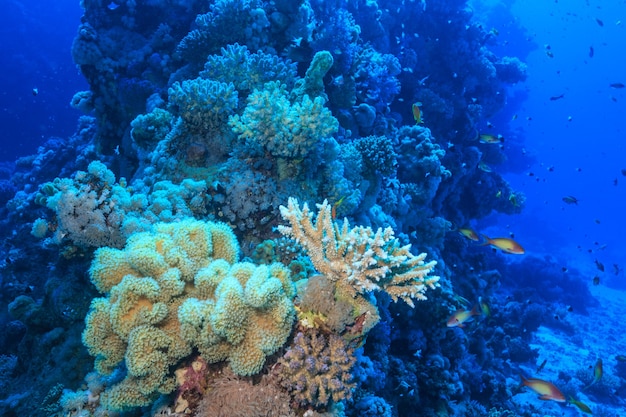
271 123
89 208
313 82
175 288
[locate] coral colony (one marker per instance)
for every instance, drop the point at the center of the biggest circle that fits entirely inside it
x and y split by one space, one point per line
253 218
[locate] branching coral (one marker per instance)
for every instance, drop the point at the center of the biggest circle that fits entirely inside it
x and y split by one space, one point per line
358 260
229 21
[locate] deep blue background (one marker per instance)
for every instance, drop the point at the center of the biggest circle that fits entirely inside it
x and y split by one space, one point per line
35 42
587 153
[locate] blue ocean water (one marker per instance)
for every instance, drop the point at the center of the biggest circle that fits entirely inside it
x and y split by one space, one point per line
383 108
37 37
575 141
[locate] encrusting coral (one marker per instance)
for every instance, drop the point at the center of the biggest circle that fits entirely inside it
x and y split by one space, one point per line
177 288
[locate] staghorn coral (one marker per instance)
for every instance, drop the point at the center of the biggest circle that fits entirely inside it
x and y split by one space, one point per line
316 369
176 288
358 260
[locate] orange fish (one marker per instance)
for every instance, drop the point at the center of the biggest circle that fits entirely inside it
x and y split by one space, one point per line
417 113
545 389
333 209
504 244
469 233
461 316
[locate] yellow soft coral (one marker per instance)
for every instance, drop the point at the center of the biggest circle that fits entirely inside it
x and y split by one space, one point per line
176 288
358 260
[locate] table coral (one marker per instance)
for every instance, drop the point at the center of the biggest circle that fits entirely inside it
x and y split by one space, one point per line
175 288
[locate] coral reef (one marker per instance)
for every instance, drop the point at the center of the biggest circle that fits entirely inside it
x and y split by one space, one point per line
220 111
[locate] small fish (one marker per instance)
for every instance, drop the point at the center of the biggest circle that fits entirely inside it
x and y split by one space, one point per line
333 209
596 280
35 91
484 307
555 98
591 52
581 406
504 244
623 171
484 167
462 300
570 199
616 269
459 317
513 200
417 113
487 138
469 233
599 22
113 6
546 390
616 85
499 194
597 373
543 364
620 358
550 54
599 265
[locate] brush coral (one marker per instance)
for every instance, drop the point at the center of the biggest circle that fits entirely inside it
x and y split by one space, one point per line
317 369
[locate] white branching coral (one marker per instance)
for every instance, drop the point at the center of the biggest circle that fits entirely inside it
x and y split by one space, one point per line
358 260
